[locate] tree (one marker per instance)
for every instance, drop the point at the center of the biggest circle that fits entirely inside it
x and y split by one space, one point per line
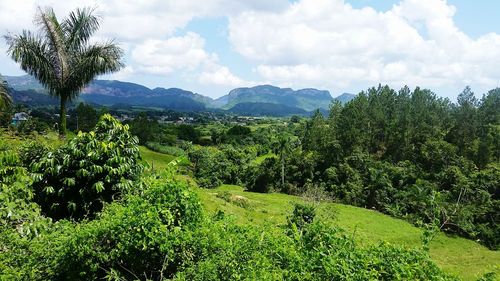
61 57
5 98
145 129
282 149
87 117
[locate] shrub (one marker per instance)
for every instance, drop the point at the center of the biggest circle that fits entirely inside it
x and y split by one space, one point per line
237 200
302 215
139 236
171 150
17 211
96 167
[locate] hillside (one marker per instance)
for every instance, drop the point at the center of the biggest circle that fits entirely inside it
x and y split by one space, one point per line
459 256
265 109
462 257
264 100
306 99
110 92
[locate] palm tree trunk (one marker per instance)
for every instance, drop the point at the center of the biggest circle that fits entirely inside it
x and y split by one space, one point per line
62 117
282 172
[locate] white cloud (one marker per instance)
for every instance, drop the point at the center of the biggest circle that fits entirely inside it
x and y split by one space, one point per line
220 76
184 54
136 19
328 43
175 53
145 30
307 43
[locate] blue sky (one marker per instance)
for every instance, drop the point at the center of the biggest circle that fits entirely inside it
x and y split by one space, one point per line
213 46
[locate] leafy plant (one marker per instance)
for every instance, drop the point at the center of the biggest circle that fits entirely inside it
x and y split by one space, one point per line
75 180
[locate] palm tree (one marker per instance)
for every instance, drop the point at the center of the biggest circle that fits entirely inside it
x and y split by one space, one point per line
5 99
60 55
282 148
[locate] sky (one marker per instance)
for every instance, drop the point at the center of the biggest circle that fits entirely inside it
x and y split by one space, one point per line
213 46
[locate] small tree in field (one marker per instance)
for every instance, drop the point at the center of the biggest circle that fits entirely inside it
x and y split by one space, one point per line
60 55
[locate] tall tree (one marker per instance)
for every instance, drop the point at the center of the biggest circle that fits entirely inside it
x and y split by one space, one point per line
282 149
61 57
86 117
5 98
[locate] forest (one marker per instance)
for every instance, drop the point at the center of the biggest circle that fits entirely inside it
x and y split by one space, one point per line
391 185
407 154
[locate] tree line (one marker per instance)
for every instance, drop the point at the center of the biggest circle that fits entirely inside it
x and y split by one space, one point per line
410 154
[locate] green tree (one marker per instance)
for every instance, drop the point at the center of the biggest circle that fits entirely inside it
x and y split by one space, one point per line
145 129
5 98
464 132
87 117
5 103
282 149
61 56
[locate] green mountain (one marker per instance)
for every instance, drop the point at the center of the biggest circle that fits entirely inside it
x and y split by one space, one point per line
265 109
259 100
305 99
28 91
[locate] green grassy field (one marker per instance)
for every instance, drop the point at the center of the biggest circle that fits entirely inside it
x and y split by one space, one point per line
464 258
154 159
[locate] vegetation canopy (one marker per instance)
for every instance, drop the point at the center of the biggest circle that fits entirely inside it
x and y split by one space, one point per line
75 180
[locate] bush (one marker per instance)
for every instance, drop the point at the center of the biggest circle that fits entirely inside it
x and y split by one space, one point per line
171 150
302 215
93 168
137 237
158 232
232 252
236 200
17 211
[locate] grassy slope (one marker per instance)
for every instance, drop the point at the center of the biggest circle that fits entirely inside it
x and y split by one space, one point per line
458 256
154 159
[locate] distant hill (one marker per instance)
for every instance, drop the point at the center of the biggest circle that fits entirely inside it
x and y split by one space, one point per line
306 99
258 100
111 92
265 109
345 98
24 83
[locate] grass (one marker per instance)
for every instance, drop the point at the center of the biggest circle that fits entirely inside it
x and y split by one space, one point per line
155 160
13 141
462 257
263 157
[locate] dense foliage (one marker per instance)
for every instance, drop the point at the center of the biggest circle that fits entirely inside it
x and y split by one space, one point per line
412 155
406 153
76 179
157 230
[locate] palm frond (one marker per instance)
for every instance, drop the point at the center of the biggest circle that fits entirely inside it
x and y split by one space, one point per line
79 27
31 52
94 60
55 40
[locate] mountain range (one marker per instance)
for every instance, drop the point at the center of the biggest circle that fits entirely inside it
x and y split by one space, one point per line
259 100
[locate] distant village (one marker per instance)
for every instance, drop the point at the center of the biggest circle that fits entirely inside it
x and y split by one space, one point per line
20 117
